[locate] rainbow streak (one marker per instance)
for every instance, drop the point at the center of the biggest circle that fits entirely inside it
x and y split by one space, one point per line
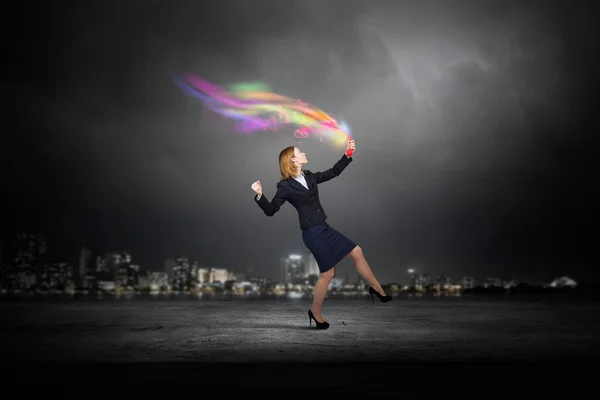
255 108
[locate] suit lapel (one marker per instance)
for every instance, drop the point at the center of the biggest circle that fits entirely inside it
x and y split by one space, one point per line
309 182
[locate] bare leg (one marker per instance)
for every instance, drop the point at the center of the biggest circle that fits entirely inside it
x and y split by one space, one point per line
319 293
363 268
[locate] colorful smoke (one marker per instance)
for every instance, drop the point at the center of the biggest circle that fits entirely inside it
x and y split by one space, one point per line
254 109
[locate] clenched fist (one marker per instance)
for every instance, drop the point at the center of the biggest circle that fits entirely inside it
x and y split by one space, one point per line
351 145
257 188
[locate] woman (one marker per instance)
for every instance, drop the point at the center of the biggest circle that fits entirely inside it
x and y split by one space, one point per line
328 246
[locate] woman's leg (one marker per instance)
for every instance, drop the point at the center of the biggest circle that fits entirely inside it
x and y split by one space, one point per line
363 268
319 293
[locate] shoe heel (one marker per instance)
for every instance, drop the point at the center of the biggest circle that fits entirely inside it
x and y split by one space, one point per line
320 325
384 299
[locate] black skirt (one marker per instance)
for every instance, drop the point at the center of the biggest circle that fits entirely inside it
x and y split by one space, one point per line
327 245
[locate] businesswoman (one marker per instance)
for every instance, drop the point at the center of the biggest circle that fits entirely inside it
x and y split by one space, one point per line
299 187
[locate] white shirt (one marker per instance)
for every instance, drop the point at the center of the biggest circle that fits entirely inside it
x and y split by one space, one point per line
302 180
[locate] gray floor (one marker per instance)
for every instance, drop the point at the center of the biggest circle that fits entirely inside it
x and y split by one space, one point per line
404 330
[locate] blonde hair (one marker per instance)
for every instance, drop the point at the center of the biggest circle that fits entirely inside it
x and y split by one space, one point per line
286 166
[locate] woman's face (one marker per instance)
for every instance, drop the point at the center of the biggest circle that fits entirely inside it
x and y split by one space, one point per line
299 157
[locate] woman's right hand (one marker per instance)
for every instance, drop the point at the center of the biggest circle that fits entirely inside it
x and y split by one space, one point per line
257 188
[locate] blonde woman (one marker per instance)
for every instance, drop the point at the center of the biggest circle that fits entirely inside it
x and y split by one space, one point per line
299 187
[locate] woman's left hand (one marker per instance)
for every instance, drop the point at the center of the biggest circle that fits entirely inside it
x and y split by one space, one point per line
351 145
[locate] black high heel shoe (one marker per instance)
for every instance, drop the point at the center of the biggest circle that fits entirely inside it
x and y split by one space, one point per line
384 299
320 325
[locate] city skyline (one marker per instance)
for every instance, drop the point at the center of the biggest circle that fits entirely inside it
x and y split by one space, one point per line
30 268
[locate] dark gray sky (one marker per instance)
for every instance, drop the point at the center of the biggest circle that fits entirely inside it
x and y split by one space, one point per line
473 141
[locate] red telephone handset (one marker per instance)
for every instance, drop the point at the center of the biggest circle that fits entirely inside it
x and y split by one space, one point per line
349 152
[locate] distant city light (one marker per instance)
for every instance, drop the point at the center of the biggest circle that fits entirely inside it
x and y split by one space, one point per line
114 274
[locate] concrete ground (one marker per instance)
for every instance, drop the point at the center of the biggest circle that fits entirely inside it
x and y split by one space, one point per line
407 331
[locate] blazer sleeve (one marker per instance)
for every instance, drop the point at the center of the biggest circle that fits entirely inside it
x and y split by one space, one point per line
337 169
270 208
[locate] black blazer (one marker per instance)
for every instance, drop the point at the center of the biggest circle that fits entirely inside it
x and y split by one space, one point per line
306 202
